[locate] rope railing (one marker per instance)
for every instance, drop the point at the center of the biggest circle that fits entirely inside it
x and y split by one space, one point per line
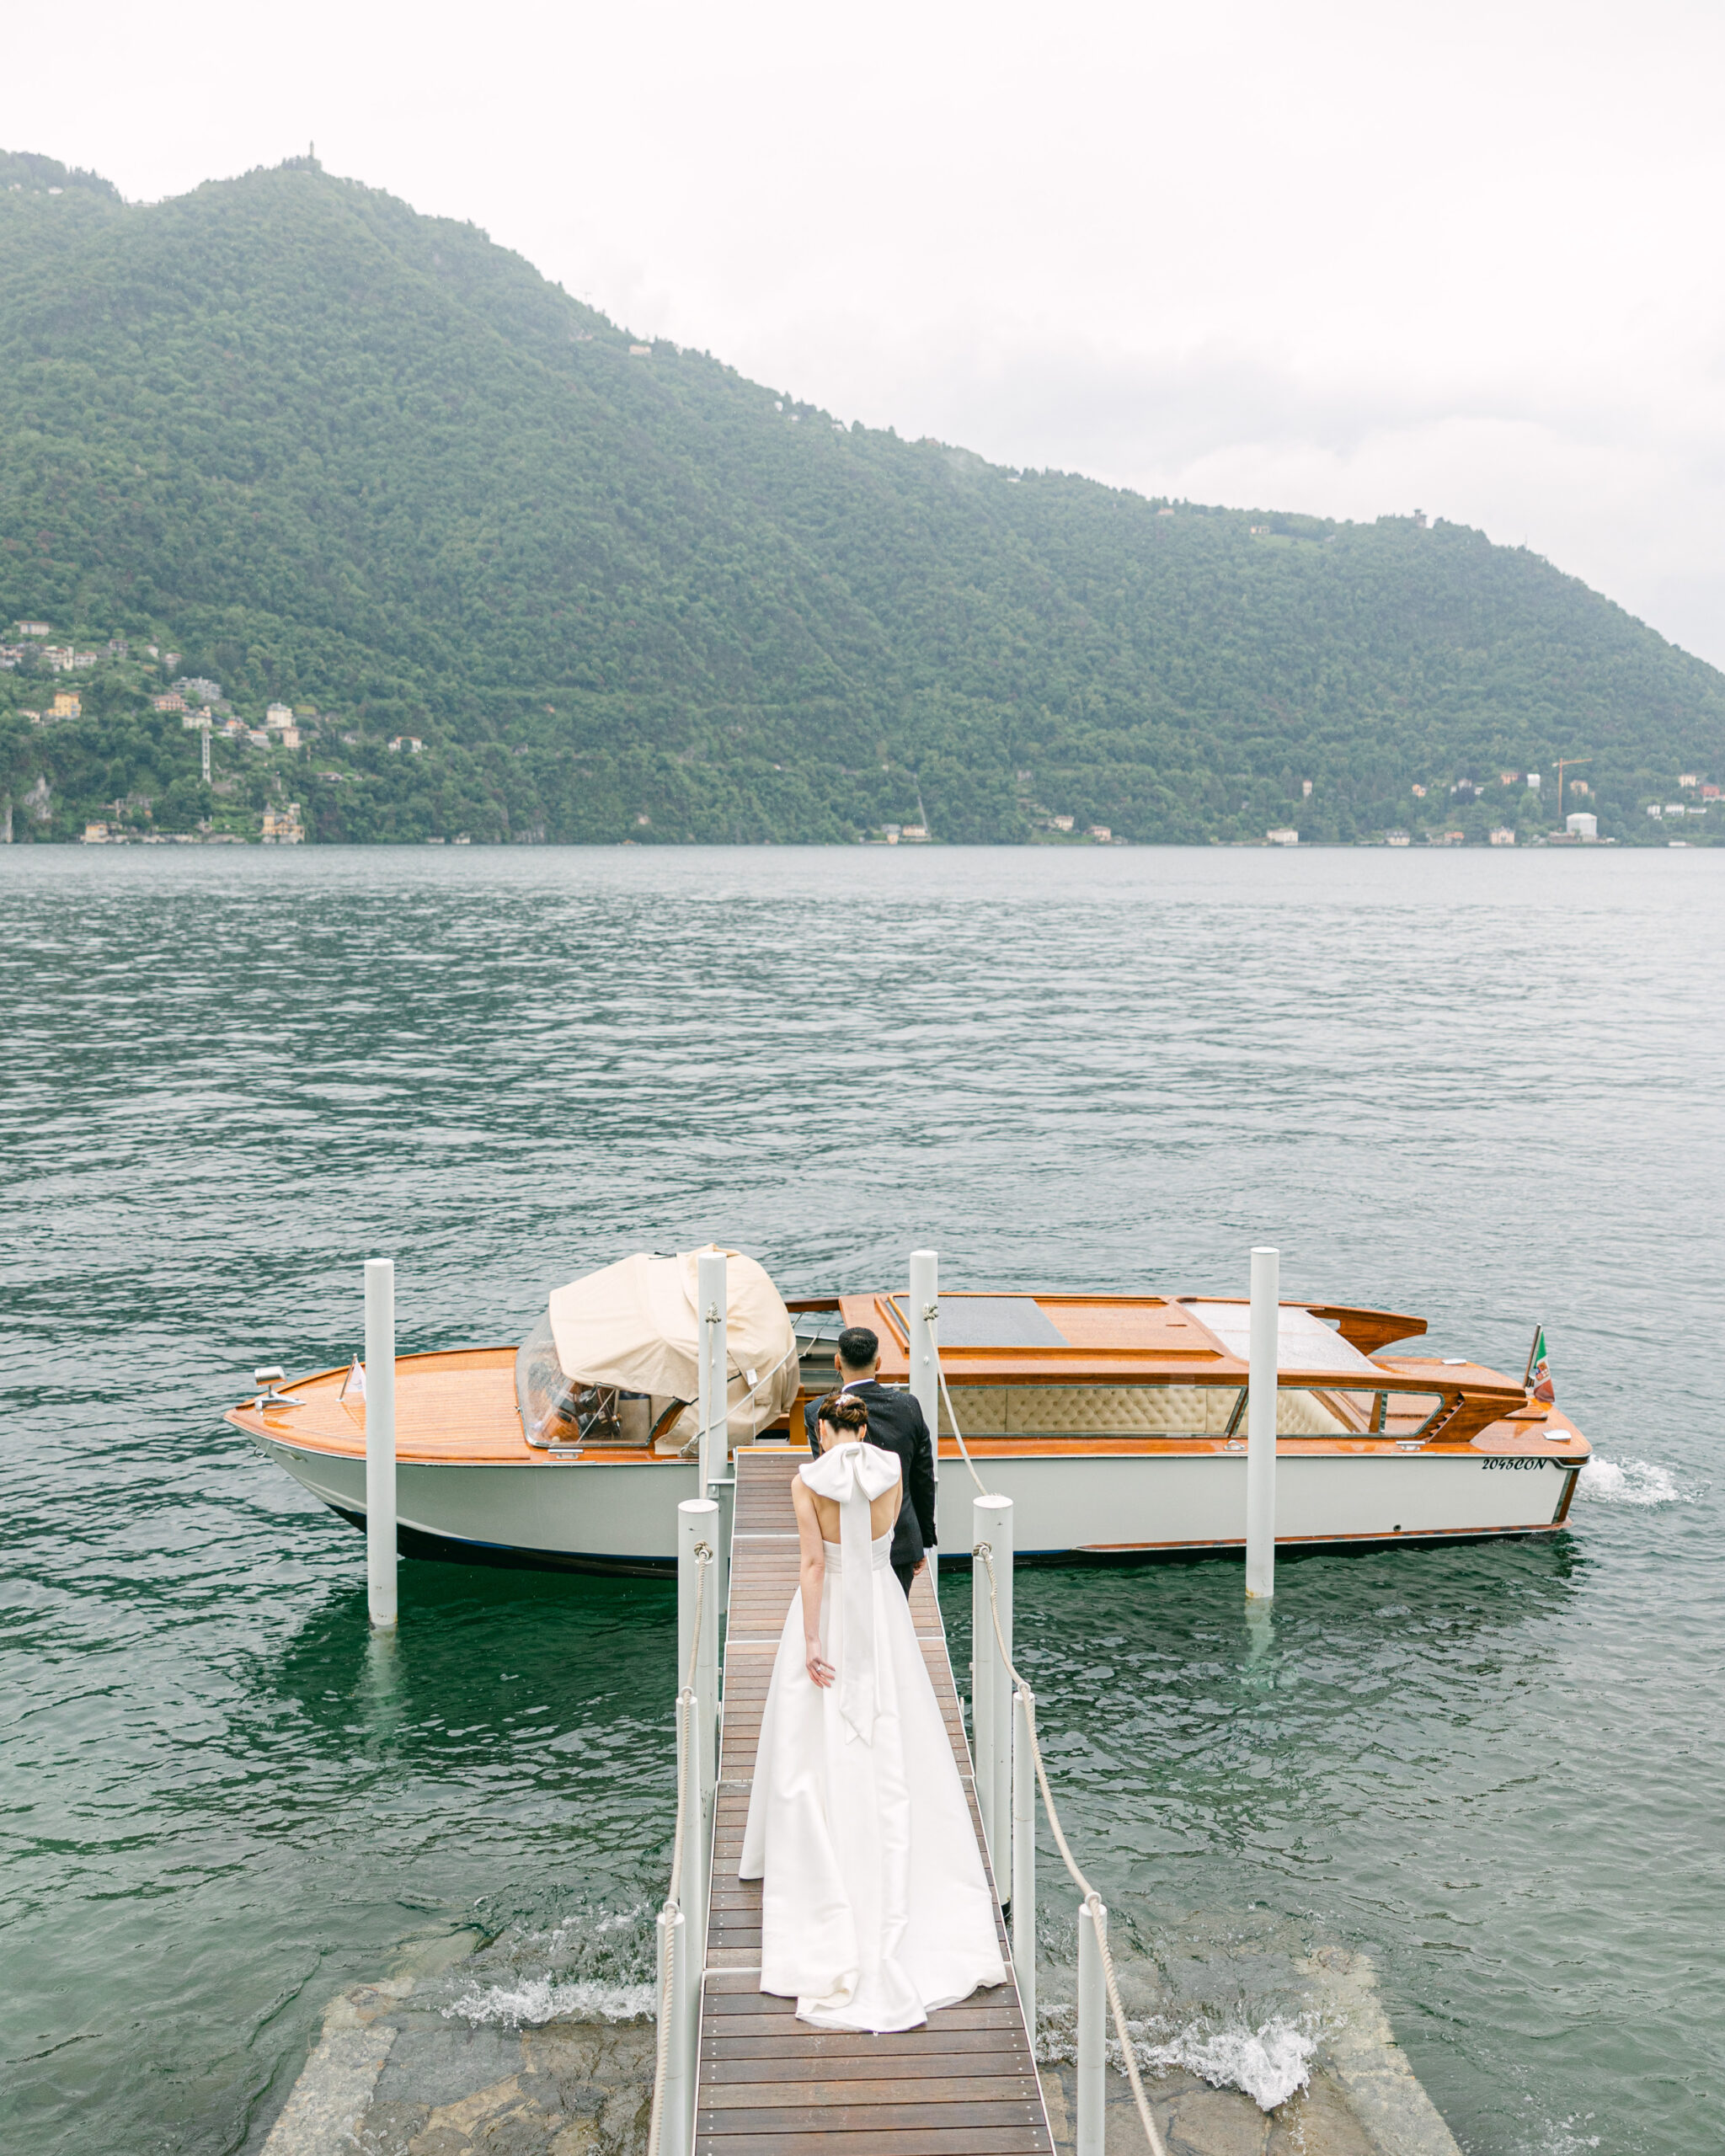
688 1754
1093 1901
983 1554
932 1315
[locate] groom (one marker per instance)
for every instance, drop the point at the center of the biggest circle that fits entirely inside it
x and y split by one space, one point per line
896 1424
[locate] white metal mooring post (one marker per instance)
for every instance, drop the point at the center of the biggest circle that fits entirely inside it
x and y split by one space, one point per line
380 1440
925 1365
676 2115
991 1687
1024 1860
714 1407
1092 2012
1261 1427
697 1525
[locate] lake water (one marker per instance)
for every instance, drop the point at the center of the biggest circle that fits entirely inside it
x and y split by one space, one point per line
1486 1088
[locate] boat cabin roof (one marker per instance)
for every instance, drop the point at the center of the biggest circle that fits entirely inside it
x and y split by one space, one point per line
1049 1337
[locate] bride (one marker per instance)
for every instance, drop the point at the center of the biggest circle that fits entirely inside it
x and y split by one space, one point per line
874 1907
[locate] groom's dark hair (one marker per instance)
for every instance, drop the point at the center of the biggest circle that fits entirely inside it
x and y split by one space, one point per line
858 1347
843 1412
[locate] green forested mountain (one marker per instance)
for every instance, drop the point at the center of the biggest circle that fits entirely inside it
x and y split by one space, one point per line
331 452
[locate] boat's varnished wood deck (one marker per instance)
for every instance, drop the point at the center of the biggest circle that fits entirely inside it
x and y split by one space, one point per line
456 1408
966 2085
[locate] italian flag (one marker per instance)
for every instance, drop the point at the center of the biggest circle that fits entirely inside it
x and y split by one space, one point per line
1538 1370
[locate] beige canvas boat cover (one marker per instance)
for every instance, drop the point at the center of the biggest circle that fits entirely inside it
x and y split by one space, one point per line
634 1324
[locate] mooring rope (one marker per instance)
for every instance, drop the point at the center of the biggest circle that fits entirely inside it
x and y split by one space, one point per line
687 1735
930 1317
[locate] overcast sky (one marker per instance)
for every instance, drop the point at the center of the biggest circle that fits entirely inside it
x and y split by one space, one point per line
1346 257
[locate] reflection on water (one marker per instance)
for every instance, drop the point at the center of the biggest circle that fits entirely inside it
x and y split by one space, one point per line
1260 1642
1488 1090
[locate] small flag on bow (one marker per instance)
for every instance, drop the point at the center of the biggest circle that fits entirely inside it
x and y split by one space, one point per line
353 1385
1538 1370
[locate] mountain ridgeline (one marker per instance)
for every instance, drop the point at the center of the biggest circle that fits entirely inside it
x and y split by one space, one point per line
330 453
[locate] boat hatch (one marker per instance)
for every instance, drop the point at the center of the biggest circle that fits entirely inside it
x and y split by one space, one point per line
991 1321
1303 1341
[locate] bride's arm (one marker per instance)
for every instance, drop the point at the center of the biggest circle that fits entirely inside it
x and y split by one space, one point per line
812 1578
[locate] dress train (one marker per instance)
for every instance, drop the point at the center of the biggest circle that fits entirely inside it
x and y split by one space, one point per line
875 1908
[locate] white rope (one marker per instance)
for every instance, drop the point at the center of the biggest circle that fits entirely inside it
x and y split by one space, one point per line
687 1751
984 1554
931 1313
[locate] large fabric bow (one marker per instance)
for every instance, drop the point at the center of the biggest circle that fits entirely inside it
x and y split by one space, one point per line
853 1476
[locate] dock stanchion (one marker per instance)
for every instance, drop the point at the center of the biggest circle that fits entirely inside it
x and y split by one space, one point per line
723 1490
923 1298
991 1685
1261 1427
713 1405
676 2113
1023 1861
697 1590
1092 2025
380 1440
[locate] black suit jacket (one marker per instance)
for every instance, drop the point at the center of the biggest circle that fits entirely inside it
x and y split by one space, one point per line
896 1424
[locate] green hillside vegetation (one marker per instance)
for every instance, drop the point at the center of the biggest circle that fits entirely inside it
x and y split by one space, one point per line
329 451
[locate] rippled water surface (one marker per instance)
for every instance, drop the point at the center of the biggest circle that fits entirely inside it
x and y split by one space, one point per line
1486 1089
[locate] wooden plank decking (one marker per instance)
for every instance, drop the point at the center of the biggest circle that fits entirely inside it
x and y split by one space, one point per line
965 2085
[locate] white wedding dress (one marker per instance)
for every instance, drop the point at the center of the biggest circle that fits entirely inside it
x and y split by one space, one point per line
875 1909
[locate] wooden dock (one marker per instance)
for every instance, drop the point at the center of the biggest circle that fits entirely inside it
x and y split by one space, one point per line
966 2084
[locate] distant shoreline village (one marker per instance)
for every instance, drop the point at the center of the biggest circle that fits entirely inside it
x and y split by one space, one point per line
241 796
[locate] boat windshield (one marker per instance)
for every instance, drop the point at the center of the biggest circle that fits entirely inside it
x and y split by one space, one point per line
558 1410
817 1348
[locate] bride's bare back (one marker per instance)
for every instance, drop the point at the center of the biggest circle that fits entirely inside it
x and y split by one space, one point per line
882 1514
818 1525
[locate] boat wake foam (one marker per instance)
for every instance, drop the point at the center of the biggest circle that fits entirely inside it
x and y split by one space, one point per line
1628 1482
537 2000
1269 2063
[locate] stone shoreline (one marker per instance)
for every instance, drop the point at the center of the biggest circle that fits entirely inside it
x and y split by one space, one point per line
393 2075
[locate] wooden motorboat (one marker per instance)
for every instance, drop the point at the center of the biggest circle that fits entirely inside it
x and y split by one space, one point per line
1116 1423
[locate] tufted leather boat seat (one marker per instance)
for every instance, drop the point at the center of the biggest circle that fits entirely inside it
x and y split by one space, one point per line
1111 1410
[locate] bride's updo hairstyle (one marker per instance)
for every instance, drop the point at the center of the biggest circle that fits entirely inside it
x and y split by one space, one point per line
845 1416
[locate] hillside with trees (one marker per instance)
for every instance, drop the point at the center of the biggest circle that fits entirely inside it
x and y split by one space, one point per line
284 434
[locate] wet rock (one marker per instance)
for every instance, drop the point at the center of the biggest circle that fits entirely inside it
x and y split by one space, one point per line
1319 2119
1212 2123
390 2129
443 2063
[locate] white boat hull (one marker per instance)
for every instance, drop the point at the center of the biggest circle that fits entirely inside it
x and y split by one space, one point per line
1148 1507
602 1517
